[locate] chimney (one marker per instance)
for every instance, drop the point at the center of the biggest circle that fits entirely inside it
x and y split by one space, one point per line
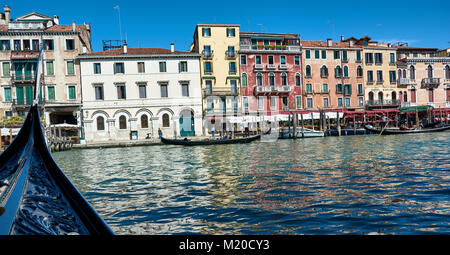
74 26
342 38
389 45
7 10
125 48
351 43
56 19
172 47
329 42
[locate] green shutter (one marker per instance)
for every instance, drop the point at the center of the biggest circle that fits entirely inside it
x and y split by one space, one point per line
6 69
8 97
50 68
51 93
19 95
70 68
72 94
308 54
317 54
29 94
298 101
244 80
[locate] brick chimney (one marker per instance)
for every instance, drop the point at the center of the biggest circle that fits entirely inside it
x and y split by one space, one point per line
172 47
7 11
56 19
329 42
125 48
74 27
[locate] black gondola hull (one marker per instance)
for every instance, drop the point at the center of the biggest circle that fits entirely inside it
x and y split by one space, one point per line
209 142
411 131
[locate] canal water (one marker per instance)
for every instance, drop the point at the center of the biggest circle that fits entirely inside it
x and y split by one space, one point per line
332 185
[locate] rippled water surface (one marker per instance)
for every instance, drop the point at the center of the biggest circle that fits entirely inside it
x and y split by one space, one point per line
332 185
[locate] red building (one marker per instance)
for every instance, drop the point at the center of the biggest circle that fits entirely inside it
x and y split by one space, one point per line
271 72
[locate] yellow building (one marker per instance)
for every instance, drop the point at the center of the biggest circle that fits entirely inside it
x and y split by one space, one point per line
218 45
380 76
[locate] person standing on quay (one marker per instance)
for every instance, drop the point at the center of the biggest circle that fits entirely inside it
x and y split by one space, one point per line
160 133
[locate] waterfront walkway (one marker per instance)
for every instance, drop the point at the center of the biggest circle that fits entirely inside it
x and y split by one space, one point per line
125 143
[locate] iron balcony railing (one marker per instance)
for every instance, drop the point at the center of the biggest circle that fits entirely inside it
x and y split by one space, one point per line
404 81
220 91
430 82
272 89
207 54
230 54
385 102
23 77
249 47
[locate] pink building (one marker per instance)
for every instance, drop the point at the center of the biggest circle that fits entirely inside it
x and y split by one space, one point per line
271 72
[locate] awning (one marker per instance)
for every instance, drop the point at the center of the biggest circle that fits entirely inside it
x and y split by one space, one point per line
415 108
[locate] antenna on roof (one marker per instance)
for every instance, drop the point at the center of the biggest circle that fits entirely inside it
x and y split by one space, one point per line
117 7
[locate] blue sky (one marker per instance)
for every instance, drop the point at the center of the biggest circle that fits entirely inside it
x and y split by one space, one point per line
158 23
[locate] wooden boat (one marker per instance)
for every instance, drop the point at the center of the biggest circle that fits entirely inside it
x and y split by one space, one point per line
350 131
408 131
35 195
307 133
188 142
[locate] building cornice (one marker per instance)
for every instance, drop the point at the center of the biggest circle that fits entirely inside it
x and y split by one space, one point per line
36 33
428 60
124 56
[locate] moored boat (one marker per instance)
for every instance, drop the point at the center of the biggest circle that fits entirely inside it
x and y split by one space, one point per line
406 131
188 142
285 134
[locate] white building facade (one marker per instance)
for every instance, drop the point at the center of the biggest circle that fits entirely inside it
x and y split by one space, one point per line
131 93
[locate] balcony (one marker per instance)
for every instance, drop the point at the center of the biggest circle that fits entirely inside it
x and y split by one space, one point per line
270 48
430 83
207 54
403 82
23 77
274 89
271 66
386 102
230 54
221 91
284 66
259 66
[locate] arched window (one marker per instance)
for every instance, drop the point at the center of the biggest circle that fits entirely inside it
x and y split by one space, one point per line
337 71
308 71
447 72
370 96
122 122
359 71
259 81
144 121
244 80
297 79
100 123
380 97
405 97
166 120
399 73
345 71
324 72
394 95
412 73
283 79
404 73
430 71
271 79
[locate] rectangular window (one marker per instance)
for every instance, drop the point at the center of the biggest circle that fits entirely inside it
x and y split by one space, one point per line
70 44
339 89
231 53
6 69
337 54
26 45
369 58
273 103
183 66
164 92
358 55
162 67
98 92
5 45
309 102
233 86
17 45
208 87
142 91
308 88
245 103
347 102
270 60
258 60
316 54
209 105
243 60
392 58
324 54
35 45
325 88
344 55
97 68
185 89
347 89
51 93
71 92
208 67
282 60
232 67
298 102
119 68
360 101
369 76
392 76
141 67
307 54
206 32
297 60
207 51
70 67
8 95
49 67
360 89
48 44
340 102
378 58
260 103
379 76
121 91
231 32
325 102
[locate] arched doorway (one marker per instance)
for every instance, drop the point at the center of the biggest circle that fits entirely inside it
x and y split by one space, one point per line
380 97
187 127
